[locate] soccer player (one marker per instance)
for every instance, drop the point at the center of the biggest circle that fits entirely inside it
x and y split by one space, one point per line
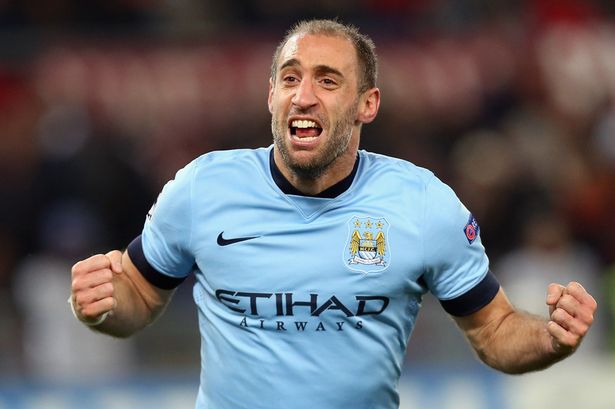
311 256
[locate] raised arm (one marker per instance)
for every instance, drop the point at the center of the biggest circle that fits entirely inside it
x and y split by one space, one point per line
515 342
111 284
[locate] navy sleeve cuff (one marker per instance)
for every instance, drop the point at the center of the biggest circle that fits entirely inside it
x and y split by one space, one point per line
153 276
475 299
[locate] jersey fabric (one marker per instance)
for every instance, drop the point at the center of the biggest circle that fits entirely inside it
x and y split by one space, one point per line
303 301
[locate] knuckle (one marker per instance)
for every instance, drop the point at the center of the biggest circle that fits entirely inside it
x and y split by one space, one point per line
109 286
81 299
560 315
564 319
578 286
588 319
567 303
554 288
578 327
77 268
114 255
82 267
109 303
88 312
103 276
566 343
107 275
568 340
553 329
582 329
593 304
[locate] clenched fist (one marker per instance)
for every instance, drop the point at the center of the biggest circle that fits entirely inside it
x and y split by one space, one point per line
571 312
92 290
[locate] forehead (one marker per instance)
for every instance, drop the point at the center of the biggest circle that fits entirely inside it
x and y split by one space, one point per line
311 50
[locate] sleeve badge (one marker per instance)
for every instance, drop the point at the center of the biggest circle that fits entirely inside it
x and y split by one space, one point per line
471 229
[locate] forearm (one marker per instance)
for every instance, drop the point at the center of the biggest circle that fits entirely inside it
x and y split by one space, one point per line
131 313
517 344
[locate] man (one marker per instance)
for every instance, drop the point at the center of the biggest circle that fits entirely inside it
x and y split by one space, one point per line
311 257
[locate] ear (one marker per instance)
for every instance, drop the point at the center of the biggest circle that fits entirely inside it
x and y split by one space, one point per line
368 105
270 97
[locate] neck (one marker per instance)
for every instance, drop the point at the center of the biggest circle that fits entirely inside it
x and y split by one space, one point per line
336 172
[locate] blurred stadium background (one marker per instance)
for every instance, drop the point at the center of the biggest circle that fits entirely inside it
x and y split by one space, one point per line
510 102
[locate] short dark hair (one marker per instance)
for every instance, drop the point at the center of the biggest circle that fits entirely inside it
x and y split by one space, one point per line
364 46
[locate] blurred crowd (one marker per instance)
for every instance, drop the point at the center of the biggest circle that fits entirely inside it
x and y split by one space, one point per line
512 103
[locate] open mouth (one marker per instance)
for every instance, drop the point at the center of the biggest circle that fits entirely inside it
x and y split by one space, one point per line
305 129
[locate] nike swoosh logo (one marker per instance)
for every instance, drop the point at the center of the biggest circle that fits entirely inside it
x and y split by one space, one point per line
225 242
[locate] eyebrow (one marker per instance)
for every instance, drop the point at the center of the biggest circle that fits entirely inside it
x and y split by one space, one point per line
321 69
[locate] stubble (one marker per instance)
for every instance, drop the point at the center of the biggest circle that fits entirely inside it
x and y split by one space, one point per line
334 147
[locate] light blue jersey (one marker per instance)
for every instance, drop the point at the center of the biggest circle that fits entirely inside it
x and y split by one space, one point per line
308 302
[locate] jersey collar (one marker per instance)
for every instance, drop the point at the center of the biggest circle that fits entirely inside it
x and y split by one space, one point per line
287 188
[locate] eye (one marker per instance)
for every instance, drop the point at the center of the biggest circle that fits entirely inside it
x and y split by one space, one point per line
328 82
290 79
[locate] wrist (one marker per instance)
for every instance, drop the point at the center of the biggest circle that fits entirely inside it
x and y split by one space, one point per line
93 323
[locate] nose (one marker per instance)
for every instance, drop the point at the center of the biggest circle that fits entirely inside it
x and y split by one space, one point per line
305 96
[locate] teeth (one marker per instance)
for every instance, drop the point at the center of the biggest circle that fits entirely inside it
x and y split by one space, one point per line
297 123
305 139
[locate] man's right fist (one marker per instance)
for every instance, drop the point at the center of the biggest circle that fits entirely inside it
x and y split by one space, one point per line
92 290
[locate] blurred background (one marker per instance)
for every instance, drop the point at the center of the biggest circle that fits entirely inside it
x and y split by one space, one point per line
510 102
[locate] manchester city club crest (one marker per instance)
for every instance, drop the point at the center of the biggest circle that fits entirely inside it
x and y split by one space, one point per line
367 247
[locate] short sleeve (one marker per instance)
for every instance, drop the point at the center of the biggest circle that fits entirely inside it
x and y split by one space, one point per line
162 252
456 265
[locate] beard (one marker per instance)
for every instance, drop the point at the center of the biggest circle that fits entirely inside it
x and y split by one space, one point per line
338 139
